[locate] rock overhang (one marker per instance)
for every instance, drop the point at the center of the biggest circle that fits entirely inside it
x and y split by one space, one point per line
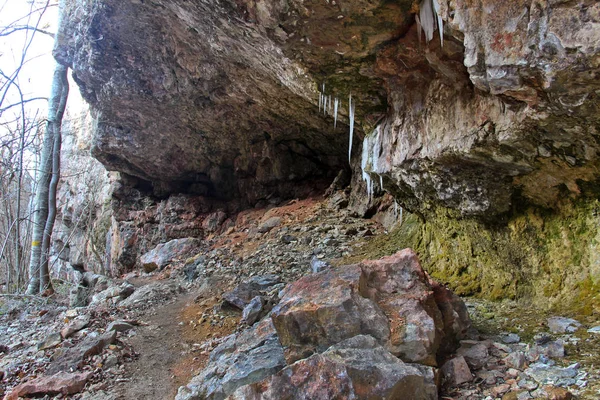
222 97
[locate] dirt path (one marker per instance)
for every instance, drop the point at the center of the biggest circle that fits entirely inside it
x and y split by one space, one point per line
160 346
167 345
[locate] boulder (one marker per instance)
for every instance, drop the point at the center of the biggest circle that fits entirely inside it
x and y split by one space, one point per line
164 253
402 290
269 224
390 299
356 368
241 360
322 309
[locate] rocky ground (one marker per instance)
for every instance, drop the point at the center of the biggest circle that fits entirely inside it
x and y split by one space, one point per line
145 335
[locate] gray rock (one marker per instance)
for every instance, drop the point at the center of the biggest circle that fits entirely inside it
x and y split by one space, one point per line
240 360
563 325
456 371
74 357
476 355
510 338
241 296
552 349
595 329
52 340
546 374
253 310
165 253
269 224
317 265
357 368
146 294
75 325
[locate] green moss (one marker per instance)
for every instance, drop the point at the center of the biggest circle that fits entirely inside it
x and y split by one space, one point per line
551 259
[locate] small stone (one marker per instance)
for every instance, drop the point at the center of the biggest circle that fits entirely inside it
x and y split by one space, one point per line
111 361
269 224
119 326
512 372
76 325
543 373
475 356
51 341
595 329
542 338
516 360
510 338
456 371
553 349
500 389
72 313
563 325
317 265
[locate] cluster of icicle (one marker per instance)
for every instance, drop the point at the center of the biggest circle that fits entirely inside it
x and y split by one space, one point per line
371 145
325 105
427 22
370 165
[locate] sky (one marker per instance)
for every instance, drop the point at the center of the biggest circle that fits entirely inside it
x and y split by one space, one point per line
35 77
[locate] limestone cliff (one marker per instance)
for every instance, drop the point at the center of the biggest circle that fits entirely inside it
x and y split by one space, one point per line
224 99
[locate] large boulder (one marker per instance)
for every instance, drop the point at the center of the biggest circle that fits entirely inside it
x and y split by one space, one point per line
357 368
390 299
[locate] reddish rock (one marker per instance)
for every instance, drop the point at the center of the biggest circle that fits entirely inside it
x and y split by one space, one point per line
390 299
454 314
323 309
401 288
456 371
63 382
358 368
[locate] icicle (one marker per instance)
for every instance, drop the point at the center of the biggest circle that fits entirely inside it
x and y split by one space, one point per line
351 115
335 110
419 28
381 182
363 165
436 7
320 100
401 211
427 21
395 209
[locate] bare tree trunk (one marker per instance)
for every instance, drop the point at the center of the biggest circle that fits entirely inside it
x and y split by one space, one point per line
38 265
45 283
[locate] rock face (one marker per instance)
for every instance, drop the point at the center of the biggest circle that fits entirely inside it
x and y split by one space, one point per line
347 332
